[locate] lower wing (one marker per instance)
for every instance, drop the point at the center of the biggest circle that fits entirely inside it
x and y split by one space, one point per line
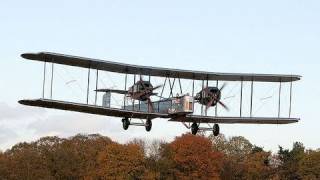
235 120
91 109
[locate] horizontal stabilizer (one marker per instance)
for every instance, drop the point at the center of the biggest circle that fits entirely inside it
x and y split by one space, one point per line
112 91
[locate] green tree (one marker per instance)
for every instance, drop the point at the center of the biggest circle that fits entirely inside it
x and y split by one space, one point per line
290 161
235 150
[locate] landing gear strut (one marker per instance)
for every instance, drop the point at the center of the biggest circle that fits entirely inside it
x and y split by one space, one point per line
216 129
148 125
125 123
194 128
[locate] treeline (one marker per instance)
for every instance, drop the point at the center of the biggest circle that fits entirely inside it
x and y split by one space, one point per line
187 157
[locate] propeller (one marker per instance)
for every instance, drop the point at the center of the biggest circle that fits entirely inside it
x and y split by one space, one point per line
146 91
214 98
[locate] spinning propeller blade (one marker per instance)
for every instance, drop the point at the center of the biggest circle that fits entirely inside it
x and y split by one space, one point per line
223 86
214 97
156 87
223 105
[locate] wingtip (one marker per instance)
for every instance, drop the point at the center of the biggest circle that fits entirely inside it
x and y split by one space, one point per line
31 56
23 102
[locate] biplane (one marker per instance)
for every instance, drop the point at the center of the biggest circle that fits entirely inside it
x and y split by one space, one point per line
179 108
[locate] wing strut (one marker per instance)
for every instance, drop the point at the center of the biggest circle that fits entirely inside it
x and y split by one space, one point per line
96 95
290 99
125 89
279 102
88 85
44 78
51 90
241 94
251 98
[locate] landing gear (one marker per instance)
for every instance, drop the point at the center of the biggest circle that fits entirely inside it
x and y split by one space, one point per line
148 125
125 123
216 129
194 128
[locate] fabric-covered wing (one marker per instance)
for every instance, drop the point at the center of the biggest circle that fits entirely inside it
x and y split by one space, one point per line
155 71
91 109
235 120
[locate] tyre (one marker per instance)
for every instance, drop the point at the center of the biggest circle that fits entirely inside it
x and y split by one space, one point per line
125 123
194 128
216 129
148 125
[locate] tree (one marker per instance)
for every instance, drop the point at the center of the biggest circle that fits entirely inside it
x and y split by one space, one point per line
76 157
4 174
194 158
139 142
118 161
235 150
154 160
166 164
24 161
219 143
290 161
257 165
309 166
238 147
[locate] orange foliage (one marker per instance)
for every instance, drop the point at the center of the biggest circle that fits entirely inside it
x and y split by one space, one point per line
121 161
194 158
187 157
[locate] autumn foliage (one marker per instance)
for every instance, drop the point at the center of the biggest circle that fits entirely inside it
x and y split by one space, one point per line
187 157
194 158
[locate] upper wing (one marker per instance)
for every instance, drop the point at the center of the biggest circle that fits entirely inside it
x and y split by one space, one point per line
91 109
155 71
235 120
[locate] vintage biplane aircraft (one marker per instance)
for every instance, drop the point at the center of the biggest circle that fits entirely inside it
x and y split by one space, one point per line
178 108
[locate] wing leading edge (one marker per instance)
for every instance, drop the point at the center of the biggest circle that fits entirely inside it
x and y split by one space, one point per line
90 109
236 120
154 71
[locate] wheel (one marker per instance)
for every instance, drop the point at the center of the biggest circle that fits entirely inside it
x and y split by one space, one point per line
125 123
148 125
194 128
216 129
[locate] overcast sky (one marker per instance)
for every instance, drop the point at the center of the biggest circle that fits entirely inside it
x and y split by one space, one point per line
221 36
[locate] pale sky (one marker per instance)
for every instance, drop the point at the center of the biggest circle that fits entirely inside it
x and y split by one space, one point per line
280 37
